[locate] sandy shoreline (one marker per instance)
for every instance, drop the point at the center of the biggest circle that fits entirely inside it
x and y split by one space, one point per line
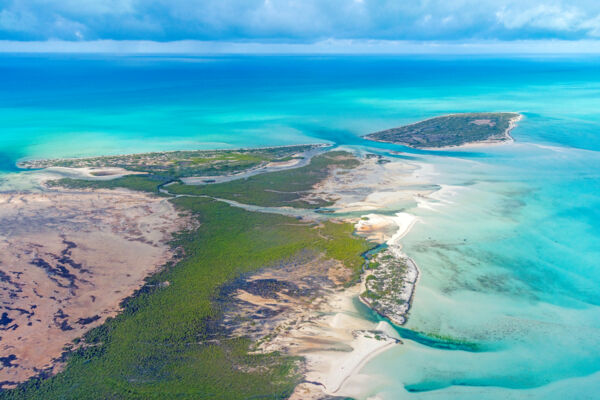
371 187
396 272
506 139
347 342
329 333
22 162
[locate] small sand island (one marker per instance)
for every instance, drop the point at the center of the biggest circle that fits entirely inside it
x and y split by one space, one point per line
389 285
452 131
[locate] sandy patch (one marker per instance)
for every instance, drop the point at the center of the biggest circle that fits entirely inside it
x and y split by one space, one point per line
284 164
378 184
67 259
338 342
337 345
300 308
97 174
487 122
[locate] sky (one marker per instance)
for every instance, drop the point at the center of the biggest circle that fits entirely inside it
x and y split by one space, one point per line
297 24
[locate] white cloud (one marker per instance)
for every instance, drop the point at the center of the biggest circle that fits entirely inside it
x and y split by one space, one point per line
592 26
543 16
299 20
14 21
551 17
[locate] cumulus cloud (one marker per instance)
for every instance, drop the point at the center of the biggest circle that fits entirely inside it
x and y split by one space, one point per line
299 21
553 19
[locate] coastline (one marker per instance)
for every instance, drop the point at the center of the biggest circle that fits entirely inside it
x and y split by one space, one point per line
350 341
398 319
22 161
506 139
506 246
364 360
329 372
346 343
390 286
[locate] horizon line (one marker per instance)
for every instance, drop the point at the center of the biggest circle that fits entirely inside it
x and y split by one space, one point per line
327 46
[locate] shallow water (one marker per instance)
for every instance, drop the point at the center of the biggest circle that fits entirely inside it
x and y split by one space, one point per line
508 248
509 260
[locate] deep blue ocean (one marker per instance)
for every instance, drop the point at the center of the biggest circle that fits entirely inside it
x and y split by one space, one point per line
509 255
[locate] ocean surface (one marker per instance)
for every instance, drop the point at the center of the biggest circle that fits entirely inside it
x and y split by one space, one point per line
508 247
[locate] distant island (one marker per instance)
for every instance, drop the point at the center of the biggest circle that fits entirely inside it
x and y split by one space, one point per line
451 130
184 163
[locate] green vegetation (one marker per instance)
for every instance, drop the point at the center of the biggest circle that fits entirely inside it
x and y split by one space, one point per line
343 245
281 188
369 294
388 287
176 164
168 342
373 265
230 158
143 183
449 130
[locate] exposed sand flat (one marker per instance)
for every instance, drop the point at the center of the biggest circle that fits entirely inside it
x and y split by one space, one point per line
67 259
301 308
74 255
378 186
339 343
96 174
376 227
385 228
284 164
35 180
346 342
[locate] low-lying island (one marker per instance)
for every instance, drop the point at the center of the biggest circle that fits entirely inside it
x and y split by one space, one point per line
451 130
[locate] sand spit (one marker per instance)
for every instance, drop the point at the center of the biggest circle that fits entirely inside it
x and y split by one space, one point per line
337 345
314 316
301 308
67 259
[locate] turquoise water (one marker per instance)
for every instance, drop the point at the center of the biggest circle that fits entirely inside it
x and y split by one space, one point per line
509 260
509 252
